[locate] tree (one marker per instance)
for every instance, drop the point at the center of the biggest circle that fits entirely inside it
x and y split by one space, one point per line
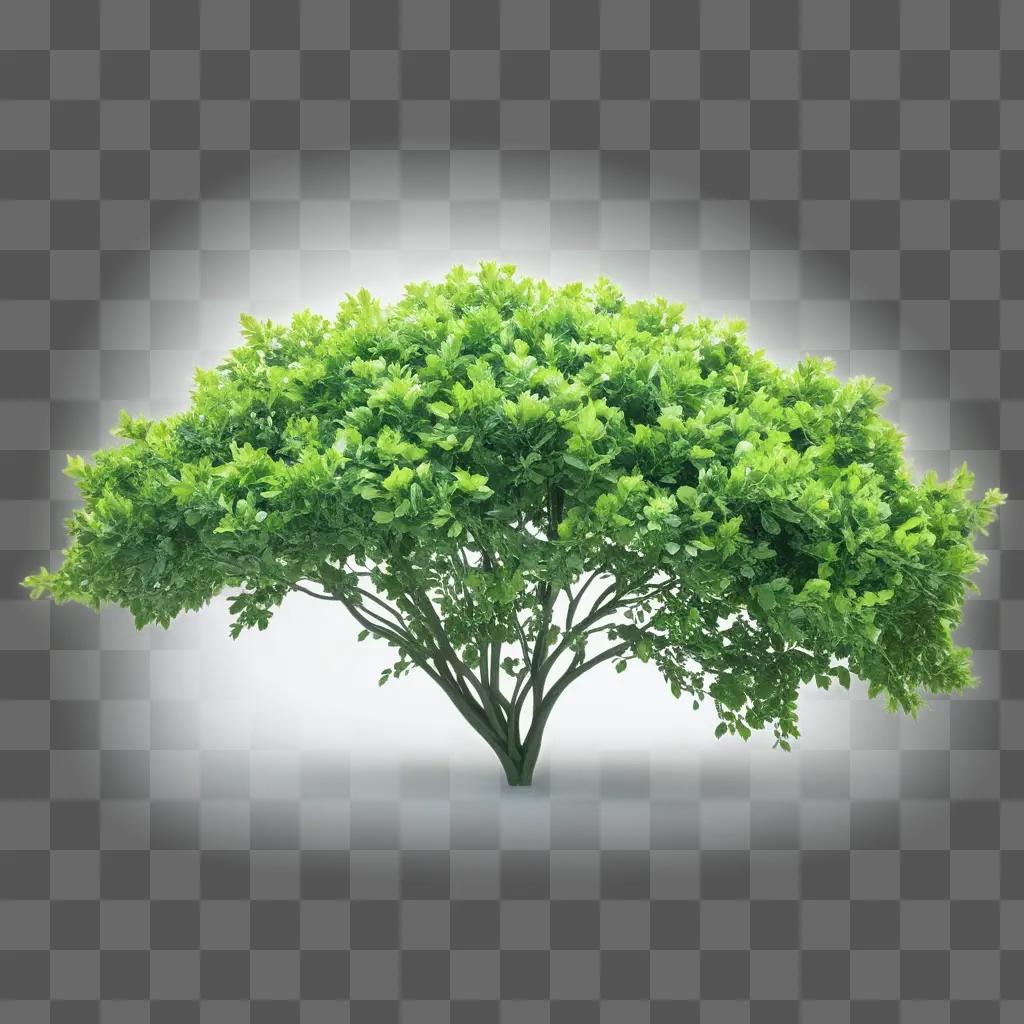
513 483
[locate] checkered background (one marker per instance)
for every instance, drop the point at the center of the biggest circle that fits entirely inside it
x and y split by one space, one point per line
849 176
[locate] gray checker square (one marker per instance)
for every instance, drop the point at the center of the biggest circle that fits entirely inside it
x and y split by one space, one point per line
848 175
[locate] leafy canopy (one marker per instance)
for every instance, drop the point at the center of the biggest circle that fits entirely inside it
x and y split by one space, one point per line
453 467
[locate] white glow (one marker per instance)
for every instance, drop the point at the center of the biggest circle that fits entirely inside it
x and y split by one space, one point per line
305 682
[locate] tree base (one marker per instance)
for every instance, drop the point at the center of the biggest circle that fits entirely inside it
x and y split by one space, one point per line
522 776
519 780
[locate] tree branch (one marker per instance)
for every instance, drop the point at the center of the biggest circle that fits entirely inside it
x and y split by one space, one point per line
437 629
485 691
383 604
312 593
540 647
574 601
559 687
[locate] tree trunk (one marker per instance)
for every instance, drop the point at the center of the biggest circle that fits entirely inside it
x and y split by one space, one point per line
519 767
522 776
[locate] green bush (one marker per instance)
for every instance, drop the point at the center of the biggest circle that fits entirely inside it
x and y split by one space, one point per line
511 483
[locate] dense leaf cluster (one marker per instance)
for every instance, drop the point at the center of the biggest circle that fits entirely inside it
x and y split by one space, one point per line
460 468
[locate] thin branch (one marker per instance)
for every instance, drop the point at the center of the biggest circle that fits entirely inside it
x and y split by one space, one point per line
524 646
521 678
483 717
578 631
426 606
377 625
574 601
495 676
383 604
602 608
611 589
452 685
313 593
540 647
485 691
559 687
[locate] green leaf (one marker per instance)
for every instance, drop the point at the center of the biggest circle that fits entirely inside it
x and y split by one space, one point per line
398 479
588 424
471 483
912 523
76 467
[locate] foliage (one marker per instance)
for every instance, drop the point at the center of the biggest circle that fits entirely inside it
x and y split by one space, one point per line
493 472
